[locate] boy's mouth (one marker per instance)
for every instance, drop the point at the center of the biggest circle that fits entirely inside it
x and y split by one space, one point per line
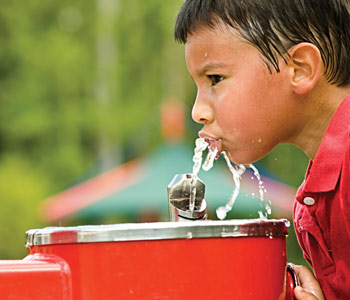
214 145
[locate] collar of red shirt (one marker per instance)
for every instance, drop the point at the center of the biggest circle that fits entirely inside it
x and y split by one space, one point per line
323 172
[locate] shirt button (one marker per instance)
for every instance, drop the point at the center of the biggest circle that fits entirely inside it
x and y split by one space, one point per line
309 201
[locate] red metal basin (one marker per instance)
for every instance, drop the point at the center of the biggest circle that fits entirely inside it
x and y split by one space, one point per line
234 259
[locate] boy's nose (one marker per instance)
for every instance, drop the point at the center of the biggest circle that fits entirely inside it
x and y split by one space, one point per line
202 112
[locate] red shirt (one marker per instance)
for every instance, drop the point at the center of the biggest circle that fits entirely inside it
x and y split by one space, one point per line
322 208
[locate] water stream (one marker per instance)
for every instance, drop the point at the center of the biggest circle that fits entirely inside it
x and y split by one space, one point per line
262 191
236 171
201 145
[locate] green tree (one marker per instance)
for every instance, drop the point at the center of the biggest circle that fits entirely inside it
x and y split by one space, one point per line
51 121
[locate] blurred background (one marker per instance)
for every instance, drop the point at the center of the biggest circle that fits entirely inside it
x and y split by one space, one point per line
95 104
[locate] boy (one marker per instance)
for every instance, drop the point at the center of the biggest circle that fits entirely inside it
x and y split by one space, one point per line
278 71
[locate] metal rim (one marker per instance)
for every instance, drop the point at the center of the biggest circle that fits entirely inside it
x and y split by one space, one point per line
157 231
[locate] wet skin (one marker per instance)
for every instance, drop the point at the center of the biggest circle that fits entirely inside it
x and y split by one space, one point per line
244 104
238 99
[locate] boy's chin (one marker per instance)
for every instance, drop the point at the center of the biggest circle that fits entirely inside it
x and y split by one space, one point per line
244 159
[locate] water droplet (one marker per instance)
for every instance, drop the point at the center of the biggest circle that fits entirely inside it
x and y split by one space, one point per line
268 209
259 140
287 223
189 235
221 213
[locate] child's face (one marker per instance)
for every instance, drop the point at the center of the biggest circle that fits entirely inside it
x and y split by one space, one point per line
238 100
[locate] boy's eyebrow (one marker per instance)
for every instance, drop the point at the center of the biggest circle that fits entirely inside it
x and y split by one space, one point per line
210 66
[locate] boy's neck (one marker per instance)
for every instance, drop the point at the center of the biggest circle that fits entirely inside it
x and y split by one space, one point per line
322 105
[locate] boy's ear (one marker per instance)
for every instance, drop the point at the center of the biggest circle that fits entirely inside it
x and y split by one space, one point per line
305 65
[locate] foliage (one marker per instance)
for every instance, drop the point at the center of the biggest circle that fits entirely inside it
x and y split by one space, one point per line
53 125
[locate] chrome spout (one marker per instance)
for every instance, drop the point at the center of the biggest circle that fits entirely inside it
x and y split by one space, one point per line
179 198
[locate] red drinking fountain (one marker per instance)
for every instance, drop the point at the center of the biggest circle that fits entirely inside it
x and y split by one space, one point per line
191 259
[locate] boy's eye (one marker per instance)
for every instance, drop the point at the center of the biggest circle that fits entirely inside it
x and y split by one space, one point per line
215 79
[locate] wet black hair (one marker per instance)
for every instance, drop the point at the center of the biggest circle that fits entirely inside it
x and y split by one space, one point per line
273 26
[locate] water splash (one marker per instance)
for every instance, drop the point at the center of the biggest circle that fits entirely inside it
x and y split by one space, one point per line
209 161
262 191
237 172
201 145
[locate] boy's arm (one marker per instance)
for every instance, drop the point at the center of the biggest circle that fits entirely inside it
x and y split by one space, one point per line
309 288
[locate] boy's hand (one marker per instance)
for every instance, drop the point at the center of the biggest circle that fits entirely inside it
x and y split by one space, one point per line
309 288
